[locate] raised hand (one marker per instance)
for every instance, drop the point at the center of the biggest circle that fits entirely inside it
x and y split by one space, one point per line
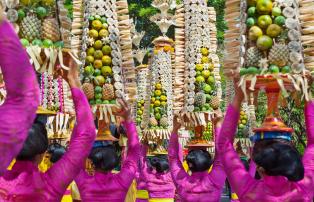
124 111
176 123
71 76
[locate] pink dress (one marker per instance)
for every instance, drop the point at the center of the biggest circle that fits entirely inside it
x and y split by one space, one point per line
159 185
19 109
200 186
111 187
25 183
140 179
270 188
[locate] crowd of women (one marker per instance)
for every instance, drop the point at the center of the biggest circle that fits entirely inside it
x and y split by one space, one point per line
285 175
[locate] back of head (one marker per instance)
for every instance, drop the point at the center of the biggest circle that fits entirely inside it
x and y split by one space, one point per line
160 164
56 151
104 158
199 160
36 143
278 158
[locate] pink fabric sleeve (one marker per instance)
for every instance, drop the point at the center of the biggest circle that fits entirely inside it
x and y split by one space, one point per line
143 162
308 158
239 179
19 109
218 174
177 171
252 168
129 167
61 174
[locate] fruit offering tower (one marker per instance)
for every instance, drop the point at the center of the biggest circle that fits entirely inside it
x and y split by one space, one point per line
44 27
141 80
197 85
108 70
268 45
269 38
158 115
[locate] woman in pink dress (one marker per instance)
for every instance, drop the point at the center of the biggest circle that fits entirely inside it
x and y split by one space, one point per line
19 109
157 175
285 175
201 186
104 185
24 182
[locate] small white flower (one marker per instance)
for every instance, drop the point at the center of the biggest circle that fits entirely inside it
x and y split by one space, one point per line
90 41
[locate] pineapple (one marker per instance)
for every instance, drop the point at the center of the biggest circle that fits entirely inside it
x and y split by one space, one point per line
253 56
200 99
153 122
30 27
215 102
279 55
51 29
108 92
88 89
164 122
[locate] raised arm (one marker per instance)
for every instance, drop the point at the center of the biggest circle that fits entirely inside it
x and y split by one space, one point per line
308 158
142 161
237 175
130 165
19 109
61 174
177 171
218 174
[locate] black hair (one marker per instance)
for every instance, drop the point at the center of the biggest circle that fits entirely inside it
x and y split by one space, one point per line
104 158
279 158
36 143
56 151
160 163
199 160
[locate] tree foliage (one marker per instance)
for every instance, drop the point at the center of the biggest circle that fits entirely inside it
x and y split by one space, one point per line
291 113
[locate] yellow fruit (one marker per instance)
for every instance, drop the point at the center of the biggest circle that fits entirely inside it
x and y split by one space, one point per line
199 67
157 103
211 67
93 33
142 102
90 59
142 108
106 60
264 42
204 51
103 33
98 45
97 64
205 60
106 50
91 51
98 54
242 113
264 21
153 99
255 32
157 92
96 24
156 52
163 103
139 112
106 71
163 98
158 86
264 6
243 121
273 30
